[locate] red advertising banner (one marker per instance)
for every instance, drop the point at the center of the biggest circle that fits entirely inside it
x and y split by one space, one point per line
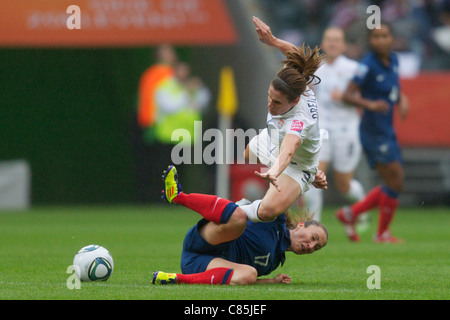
30 23
428 121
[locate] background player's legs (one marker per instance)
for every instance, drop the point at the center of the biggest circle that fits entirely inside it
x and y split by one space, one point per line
392 175
385 197
353 191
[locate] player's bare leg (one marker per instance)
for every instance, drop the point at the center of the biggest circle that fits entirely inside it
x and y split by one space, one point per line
276 202
215 233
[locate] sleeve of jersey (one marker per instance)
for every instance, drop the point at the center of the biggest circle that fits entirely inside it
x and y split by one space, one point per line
295 127
361 74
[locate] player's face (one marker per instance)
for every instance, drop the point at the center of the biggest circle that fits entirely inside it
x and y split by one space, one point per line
277 102
307 239
333 42
381 40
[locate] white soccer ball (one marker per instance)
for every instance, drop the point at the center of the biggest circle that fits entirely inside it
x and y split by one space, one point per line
93 263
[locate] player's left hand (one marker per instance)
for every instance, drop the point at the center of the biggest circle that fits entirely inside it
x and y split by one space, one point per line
270 177
320 180
282 278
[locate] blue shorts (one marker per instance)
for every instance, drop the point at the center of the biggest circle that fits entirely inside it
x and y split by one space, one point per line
380 149
197 253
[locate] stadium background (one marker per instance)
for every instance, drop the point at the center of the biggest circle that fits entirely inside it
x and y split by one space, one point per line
68 97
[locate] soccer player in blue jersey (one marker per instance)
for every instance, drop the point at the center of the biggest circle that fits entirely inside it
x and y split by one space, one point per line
226 248
376 89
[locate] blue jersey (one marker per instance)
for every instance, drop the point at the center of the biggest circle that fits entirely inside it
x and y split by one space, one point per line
377 134
262 245
378 81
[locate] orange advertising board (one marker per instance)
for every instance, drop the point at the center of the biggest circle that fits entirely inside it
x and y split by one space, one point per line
428 120
31 23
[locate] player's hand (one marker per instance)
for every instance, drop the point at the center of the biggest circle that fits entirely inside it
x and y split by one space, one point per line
264 33
270 177
378 106
282 278
336 95
320 180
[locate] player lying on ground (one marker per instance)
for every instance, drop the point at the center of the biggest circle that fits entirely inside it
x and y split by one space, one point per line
226 248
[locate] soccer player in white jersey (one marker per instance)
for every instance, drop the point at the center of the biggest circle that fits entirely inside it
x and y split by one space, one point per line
343 149
290 144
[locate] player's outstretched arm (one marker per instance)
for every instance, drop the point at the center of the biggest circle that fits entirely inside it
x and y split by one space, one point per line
265 36
281 278
352 95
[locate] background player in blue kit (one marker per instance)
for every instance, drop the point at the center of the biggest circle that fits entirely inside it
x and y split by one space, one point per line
227 248
376 89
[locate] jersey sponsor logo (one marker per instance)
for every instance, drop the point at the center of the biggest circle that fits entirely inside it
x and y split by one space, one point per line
297 125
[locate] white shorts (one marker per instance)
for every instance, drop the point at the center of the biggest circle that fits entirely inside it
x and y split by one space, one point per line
342 150
259 146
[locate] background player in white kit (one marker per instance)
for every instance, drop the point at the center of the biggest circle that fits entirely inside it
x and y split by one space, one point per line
343 149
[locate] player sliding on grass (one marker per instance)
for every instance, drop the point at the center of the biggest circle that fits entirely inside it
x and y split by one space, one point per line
225 248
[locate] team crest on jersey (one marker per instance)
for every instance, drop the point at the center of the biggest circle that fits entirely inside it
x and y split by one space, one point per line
281 122
297 125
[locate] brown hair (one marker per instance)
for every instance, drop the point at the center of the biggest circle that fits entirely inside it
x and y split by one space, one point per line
298 71
293 219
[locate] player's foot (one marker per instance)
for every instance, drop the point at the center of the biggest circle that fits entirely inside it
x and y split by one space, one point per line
363 223
345 216
160 278
386 237
172 187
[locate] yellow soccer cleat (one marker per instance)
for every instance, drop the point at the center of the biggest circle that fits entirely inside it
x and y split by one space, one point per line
172 186
160 278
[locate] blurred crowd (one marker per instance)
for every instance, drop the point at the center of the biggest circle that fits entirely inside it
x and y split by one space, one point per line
421 27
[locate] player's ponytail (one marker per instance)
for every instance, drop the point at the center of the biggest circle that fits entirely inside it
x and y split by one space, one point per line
298 71
294 218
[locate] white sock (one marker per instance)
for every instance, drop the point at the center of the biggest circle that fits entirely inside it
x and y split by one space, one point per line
356 192
251 210
314 201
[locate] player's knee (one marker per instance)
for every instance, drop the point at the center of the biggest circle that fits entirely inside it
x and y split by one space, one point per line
239 217
343 187
268 212
244 276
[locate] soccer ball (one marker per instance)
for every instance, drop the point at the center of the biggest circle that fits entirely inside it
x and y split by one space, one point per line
93 263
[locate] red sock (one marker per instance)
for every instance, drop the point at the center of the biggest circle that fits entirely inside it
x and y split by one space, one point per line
370 201
209 206
212 276
387 207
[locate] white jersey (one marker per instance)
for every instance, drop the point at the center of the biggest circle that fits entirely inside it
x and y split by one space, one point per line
336 76
302 121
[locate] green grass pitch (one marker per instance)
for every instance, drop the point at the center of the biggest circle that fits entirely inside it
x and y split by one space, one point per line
38 245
